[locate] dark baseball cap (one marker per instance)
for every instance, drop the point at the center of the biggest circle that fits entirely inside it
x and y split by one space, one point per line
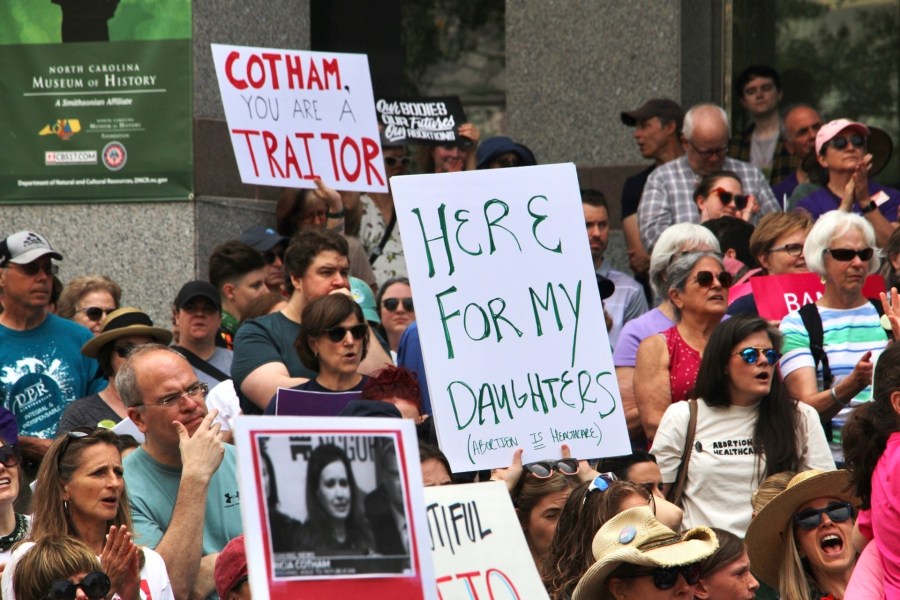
665 109
261 238
198 289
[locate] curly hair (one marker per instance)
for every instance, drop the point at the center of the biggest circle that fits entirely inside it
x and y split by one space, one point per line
80 287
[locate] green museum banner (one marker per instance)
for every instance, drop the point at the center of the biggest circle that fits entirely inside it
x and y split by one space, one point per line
96 98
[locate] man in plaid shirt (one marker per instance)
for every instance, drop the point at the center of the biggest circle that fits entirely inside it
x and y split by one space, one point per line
669 194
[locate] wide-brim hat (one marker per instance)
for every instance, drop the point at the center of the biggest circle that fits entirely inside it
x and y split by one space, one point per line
879 145
765 536
635 537
121 323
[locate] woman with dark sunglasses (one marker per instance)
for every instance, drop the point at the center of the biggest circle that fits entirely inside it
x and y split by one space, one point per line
799 543
61 568
841 149
332 341
721 194
747 428
666 366
396 310
636 556
841 248
88 300
80 493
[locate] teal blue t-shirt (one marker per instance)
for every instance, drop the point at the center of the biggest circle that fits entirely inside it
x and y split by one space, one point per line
42 371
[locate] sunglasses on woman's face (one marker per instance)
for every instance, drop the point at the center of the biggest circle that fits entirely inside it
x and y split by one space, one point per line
740 200
391 304
751 355
9 456
706 278
393 161
665 578
839 143
95 313
810 518
846 254
545 468
338 333
125 350
95 586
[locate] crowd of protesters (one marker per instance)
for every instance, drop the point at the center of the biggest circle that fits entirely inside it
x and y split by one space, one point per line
762 450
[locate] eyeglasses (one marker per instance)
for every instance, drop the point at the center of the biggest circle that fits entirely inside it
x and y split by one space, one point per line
600 484
206 308
791 249
665 578
839 143
338 333
95 586
392 304
705 278
707 154
545 468
846 254
76 434
125 350
740 200
195 392
33 268
810 518
95 313
393 161
271 255
751 355
9 456
505 162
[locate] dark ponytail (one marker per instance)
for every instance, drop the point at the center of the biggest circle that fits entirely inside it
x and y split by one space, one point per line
870 425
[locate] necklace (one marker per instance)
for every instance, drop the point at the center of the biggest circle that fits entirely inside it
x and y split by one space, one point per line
7 541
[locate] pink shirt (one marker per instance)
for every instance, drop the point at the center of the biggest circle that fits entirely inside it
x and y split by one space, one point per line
684 363
885 518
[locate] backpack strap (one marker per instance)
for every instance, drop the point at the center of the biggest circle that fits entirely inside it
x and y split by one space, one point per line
812 320
384 239
202 365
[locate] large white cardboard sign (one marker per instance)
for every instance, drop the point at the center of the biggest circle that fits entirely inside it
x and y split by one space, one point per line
512 330
295 116
333 508
477 544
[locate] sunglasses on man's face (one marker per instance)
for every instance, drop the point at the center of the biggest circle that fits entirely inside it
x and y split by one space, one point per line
740 200
846 254
810 518
9 456
839 143
95 313
706 278
338 333
665 578
392 304
95 586
271 256
751 355
33 268
393 161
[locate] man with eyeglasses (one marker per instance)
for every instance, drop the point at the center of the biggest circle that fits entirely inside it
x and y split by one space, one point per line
182 481
763 143
669 193
239 273
42 369
841 149
197 318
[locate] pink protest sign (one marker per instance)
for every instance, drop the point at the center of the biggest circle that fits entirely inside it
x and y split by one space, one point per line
777 295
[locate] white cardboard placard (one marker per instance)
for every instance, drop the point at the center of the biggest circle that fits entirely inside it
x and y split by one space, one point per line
297 115
513 337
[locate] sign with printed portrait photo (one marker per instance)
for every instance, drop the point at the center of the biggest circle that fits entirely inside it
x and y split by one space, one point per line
331 506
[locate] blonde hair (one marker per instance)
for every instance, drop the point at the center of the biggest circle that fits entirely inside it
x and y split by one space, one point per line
50 559
793 581
770 487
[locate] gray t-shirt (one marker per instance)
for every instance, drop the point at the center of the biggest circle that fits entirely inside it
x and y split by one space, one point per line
87 412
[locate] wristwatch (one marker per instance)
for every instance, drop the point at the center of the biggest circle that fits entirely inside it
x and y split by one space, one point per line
868 207
340 214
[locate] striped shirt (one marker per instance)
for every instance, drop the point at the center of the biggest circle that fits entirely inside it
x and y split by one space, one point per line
849 333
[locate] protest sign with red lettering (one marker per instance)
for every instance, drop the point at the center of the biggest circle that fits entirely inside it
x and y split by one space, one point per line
477 544
777 295
508 312
295 116
333 508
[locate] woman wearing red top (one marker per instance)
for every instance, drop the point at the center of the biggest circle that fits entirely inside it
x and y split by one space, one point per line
667 363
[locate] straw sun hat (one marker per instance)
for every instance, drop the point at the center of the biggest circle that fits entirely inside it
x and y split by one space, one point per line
635 537
765 536
121 323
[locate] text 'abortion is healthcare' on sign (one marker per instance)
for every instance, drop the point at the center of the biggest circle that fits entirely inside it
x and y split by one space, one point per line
515 346
298 116
477 544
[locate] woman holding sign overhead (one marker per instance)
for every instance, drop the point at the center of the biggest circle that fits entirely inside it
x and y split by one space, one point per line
667 363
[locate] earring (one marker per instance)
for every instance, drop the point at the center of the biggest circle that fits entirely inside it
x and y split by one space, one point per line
66 506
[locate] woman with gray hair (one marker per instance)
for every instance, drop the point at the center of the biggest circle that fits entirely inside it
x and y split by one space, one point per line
675 241
832 370
667 364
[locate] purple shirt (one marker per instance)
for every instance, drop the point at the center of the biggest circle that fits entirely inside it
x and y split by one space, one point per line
635 331
820 202
785 188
